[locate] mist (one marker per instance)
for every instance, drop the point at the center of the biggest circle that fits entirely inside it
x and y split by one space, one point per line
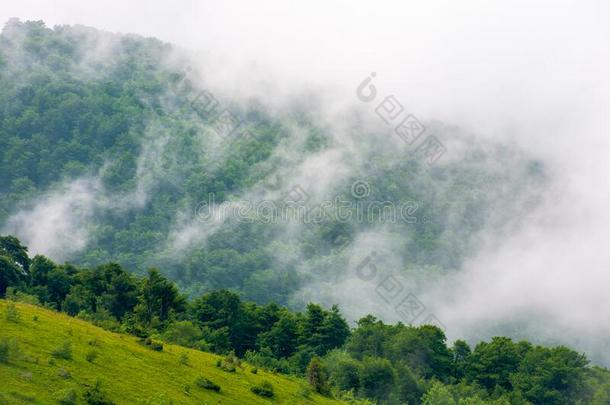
533 76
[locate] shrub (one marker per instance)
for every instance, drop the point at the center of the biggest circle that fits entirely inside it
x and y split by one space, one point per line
63 373
91 356
9 348
183 333
12 314
305 391
95 396
263 390
156 346
229 363
207 384
184 359
4 351
64 351
153 344
14 295
66 397
317 376
254 370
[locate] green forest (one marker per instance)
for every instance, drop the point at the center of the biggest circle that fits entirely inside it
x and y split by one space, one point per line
139 154
108 148
386 364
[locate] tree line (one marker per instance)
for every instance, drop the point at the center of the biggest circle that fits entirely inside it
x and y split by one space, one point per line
389 364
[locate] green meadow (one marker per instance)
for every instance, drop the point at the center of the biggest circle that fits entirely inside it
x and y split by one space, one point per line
53 358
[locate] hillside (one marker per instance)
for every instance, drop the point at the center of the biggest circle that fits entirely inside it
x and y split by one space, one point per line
107 155
129 372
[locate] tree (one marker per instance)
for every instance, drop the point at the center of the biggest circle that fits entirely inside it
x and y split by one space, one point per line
159 298
369 338
438 394
312 324
334 330
282 338
121 295
491 364
551 376
317 376
376 378
460 351
40 268
224 310
59 282
183 333
343 370
11 247
9 274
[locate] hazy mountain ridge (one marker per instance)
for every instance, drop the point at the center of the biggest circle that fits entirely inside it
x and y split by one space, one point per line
135 159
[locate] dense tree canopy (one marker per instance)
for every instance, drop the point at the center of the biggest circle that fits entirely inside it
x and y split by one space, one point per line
389 364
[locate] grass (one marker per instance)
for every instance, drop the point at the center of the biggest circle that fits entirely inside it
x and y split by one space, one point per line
49 361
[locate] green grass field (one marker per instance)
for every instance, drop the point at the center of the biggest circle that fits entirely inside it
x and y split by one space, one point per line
128 371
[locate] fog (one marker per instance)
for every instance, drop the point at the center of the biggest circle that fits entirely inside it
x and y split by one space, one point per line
532 75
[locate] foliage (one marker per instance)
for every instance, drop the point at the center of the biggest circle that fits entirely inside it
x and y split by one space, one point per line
129 373
207 384
383 363
67 397
264 390
91 356
317 376
63 351
4 350
12 314
95 396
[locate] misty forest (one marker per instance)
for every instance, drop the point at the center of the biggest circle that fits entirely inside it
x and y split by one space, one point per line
144 204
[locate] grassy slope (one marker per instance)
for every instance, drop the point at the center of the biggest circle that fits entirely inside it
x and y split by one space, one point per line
129 372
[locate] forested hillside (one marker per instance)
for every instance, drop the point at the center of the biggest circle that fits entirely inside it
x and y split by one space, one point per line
108 149
386 364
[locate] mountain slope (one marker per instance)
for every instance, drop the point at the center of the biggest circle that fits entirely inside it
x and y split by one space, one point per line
128 371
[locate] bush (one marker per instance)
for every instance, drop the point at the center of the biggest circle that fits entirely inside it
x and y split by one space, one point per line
64 351
207 384
184 359
12 314
183 333
91 356
317 376
263 390
305 391
254 370
67 397
153 344
4 351
156 346
63 373
229 363
95 396
19 296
